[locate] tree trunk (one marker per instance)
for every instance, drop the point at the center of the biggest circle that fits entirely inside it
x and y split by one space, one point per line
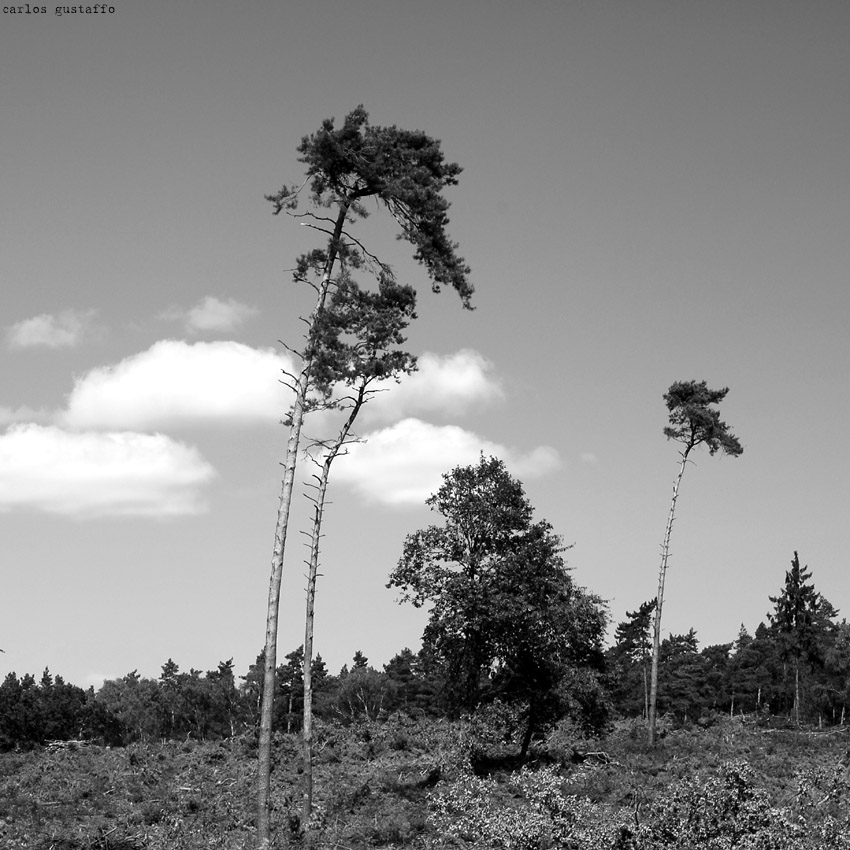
659 601
315 537
797 692
529 731
287 486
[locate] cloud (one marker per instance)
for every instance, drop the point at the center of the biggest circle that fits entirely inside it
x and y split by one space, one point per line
180 383
174 383
212 314
404 464
100 474
588 457
9 415
63 330
447 385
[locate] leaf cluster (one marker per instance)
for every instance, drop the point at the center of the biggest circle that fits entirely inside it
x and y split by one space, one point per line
694 422
405 170
356 337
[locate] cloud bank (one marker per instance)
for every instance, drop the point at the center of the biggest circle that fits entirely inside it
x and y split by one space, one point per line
98 461
100 474
404 464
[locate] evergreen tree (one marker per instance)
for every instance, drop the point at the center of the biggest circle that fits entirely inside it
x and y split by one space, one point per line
405 172
802 623
629 661
693 422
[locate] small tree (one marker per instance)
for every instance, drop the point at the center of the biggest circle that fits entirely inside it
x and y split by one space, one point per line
405 172
693 422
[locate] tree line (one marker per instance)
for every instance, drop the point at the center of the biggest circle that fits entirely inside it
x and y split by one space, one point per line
796 665
795 668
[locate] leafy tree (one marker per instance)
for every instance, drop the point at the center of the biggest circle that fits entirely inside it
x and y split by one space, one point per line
505 614
363 692
136 703
693 422
405 172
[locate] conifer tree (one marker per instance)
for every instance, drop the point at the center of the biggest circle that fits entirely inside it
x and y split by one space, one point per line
360 332
693 422
404 172
801 620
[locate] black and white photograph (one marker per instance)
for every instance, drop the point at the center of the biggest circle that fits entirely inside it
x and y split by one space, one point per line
425 425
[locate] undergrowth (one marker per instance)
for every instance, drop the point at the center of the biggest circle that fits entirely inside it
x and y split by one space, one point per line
434 784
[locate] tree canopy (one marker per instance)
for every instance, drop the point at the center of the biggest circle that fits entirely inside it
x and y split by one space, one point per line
693 422
405 170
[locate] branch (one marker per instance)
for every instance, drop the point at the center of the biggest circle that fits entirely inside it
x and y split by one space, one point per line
386 269
316 227
311 214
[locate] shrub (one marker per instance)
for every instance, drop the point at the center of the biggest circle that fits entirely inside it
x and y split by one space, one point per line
531 812
724 812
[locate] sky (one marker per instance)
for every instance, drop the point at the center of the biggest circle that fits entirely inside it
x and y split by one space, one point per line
652 192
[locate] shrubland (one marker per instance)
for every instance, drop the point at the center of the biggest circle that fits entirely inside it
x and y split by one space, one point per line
436 783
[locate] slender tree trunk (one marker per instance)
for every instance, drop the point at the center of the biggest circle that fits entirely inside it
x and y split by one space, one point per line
307 723
529 731
659 601
315 537
287 486
797 691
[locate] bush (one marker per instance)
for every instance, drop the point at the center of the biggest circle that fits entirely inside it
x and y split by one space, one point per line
531 812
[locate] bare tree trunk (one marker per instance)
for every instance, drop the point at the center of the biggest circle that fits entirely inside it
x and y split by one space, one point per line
315 537
287 486
797 691
659 601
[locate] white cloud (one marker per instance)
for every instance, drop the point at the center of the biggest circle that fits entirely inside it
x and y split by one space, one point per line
100 474
404 464
176 382
447 385
212 314
63 330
